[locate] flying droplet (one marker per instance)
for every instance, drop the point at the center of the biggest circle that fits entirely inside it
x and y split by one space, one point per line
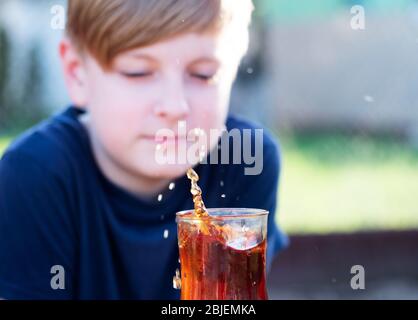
165 235
221 183
250 70
177 280
162 217
368 98
223 196
158 147
160 197
171 186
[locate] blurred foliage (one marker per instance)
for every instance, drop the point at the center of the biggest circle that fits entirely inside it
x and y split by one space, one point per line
339 183
19 107
4 142
340 149
297 10
4 62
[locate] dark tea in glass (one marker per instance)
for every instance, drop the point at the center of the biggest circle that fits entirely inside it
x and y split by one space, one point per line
223 254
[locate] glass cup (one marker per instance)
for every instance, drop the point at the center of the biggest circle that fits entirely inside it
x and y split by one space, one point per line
223 256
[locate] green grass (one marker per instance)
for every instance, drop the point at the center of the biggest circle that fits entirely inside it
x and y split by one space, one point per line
4 142
343 184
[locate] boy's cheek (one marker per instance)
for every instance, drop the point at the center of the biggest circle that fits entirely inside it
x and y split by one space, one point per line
210 102
118 112
213 117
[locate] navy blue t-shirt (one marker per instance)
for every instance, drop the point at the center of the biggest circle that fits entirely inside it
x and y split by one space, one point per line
58 209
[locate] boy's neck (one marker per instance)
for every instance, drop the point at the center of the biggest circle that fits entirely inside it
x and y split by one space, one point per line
141 186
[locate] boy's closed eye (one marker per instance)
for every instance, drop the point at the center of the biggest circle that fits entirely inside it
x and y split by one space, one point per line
205 77
137 74
143 67
205 70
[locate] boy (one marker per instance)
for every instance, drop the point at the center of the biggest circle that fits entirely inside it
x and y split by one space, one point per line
86 211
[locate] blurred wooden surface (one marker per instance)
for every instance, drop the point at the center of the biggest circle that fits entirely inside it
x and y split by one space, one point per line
319 266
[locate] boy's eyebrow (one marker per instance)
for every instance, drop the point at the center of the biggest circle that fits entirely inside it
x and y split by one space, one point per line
144 56
206 59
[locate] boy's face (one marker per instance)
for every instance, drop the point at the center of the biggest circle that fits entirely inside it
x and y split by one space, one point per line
186 78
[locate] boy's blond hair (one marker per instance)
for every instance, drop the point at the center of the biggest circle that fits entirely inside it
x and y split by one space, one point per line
106 28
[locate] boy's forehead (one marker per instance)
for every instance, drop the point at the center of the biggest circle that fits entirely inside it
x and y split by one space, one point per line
187 47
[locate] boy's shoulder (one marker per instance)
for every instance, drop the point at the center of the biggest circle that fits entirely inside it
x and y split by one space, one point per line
51 145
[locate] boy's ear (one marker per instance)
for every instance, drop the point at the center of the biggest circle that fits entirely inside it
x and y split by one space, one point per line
73 67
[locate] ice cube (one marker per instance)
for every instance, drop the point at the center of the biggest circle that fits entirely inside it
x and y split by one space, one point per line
243 243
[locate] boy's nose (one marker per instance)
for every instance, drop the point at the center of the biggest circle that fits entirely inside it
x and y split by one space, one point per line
173 103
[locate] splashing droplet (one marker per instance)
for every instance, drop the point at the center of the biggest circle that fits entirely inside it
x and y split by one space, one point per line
368 98
165 234
192 175
199 206
177 280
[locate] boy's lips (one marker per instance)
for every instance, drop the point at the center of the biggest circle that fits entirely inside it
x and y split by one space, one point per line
157 139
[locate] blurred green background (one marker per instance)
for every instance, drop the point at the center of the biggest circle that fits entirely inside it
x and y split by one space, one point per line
342 103
337 183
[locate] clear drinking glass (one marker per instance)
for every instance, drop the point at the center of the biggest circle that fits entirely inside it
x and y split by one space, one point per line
223 256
